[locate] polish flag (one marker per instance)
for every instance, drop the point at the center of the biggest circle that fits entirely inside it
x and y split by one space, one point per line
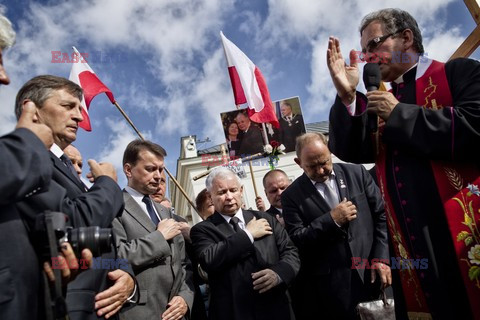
249 85
84 76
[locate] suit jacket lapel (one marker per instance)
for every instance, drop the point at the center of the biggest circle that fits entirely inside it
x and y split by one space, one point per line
133 209
64 170
221 224
162 211
312 192
341 185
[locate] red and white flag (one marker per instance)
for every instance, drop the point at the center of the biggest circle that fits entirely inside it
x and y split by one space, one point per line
84 76
249 85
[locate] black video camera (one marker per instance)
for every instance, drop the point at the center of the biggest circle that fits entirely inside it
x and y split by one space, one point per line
51 227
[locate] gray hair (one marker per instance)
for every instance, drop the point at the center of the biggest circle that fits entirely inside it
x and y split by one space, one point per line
7 34
40 88
220 172
395 20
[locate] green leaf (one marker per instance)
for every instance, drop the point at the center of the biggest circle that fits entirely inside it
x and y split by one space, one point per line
474 273
468 220
460 203
462 235
470 208
468 241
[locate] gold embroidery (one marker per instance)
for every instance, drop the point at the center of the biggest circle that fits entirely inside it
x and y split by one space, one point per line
470 237
432 103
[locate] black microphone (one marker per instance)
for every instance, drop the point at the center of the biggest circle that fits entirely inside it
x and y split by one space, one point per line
371 79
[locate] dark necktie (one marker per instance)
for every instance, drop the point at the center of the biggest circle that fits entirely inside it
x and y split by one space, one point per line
66 161
234 222
150 210
329 195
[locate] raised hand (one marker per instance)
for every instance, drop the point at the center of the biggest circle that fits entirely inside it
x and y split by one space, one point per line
345 77
101 169
29 120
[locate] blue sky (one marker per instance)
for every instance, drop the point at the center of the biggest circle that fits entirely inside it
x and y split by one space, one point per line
164 62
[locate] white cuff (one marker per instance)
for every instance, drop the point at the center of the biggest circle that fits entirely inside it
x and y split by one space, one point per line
129 299
351 107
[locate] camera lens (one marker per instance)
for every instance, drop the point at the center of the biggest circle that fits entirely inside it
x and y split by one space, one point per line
97 239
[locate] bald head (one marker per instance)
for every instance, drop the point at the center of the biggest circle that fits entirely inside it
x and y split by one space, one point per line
75 157
275 182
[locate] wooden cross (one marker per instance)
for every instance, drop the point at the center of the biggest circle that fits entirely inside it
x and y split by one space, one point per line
473 40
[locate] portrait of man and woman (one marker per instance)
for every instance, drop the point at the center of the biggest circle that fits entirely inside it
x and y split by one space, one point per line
245 137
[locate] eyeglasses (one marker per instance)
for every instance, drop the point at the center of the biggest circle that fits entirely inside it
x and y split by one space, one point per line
377 41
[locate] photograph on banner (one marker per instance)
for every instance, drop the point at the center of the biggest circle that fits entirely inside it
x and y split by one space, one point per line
243 136
238 167
289 114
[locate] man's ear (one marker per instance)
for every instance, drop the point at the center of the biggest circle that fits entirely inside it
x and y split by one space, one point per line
127 169
241 189
407 36
297 161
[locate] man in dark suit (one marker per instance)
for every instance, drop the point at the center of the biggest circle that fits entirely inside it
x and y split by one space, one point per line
252 139
291 126
150 239
58 106
334 214
274 183
23 153
248 255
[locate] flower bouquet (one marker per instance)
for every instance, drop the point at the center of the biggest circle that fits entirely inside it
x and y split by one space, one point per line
272 150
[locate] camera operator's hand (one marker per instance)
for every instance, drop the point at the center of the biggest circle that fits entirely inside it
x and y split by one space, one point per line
29 120
110 301
68 264
101 169
169 228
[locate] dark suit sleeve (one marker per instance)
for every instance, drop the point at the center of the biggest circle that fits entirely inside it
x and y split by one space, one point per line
97 207
302 234
289 263
348 136
447 133
213 256
375 202
24 167
186 290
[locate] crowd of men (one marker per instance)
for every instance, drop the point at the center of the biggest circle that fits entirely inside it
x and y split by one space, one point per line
291 261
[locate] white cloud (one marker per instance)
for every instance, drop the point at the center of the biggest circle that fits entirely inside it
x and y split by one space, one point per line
120 137
302 20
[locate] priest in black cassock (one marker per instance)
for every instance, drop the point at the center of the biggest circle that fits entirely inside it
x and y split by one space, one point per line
426 155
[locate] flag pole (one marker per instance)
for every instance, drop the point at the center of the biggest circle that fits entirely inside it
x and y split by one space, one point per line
205 173
128 120
253 179
165 168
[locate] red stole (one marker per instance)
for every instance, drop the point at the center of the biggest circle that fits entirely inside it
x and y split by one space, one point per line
458 188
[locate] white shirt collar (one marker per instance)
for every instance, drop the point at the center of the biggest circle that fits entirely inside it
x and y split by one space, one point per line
400 79
134 193
239 215
330 179
55 149
138 197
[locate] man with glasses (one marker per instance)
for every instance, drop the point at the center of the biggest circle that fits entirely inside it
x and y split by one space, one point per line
426 155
